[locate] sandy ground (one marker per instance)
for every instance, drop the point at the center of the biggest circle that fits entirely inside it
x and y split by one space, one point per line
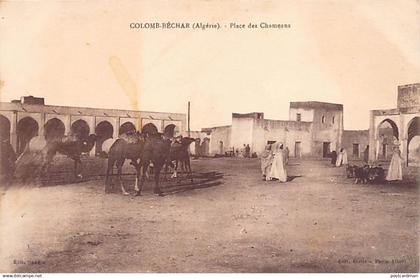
318 222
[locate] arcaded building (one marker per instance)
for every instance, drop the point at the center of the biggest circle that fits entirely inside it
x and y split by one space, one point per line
397 126
314 129
28 117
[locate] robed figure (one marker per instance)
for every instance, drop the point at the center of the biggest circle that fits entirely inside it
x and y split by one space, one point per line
395 167
278 168
266 161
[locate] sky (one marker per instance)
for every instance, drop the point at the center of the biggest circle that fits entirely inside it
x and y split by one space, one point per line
83 53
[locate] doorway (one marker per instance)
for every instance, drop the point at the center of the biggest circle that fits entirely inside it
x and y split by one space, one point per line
298 149
326 149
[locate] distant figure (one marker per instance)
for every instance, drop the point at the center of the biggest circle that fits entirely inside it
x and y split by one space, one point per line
7 162
342 158
266 161
221 147
366 155
278 168
333 157
197 148
247 151
395 168
286 154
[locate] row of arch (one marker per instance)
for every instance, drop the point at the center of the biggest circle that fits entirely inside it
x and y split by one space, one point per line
388 134
27 128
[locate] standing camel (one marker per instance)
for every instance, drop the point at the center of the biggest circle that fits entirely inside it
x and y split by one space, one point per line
41 150
179 153
129 148
156 150
72 149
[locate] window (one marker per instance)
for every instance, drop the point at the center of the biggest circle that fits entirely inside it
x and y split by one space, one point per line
323 119
298 117
333 118
356 150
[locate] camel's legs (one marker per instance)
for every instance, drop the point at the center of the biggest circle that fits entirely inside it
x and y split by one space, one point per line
143 176
157 190
188 166
136 185
46 171
175 174
77 162
165 172
109 169
124 192
46 167
148 169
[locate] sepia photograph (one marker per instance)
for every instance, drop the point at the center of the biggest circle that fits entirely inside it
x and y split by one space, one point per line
209 136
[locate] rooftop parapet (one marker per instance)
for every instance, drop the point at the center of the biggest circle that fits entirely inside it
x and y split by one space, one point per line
408 95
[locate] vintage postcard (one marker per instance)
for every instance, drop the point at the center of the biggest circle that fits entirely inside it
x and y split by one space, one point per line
209 136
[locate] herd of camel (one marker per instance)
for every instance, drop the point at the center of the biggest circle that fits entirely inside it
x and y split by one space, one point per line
146 150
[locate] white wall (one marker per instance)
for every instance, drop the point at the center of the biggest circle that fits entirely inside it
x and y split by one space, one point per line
285 132
242 132
307 115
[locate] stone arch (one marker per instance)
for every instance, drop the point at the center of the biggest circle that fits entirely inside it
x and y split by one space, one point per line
4 128
54 129
149 129
26 129
393 125
413 132
127 127
171 130
387 134
103 131
80 129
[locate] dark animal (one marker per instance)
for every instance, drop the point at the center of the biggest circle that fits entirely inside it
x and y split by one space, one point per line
361 174
366 174
350 171
131 147
156 150
72 148
7 162
376 174
179 153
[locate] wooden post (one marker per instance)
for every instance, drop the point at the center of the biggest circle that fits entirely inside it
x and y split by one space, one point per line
189 131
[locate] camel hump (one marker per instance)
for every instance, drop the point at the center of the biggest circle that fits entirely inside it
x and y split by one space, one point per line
129 138
37 144
106 145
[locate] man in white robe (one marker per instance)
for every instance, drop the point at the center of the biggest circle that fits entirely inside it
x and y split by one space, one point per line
278 168
395 168
342 158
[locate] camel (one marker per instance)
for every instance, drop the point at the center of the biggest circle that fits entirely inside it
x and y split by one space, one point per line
71 147
179 153
156 150
143 149
131 147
